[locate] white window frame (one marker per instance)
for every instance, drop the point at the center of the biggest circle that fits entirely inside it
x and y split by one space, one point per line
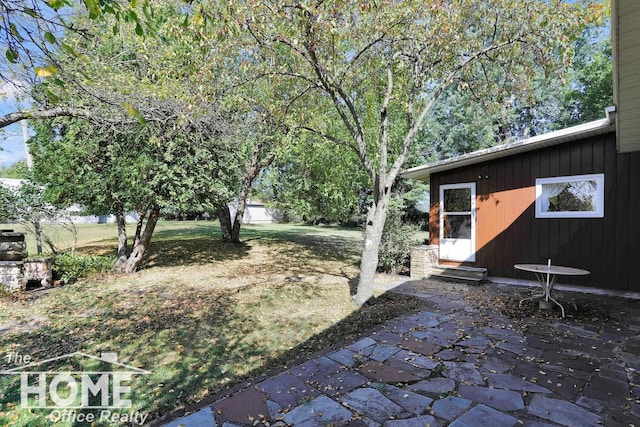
599 200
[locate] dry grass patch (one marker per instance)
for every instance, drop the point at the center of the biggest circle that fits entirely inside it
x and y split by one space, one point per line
201 315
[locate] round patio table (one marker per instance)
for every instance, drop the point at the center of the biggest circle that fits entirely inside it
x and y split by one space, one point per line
546 275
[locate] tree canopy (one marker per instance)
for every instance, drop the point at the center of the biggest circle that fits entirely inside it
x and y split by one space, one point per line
366 75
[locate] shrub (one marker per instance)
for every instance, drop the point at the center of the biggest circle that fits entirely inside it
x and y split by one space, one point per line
397 240
71 267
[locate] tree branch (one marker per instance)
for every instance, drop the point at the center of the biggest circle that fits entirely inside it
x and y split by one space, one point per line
50 113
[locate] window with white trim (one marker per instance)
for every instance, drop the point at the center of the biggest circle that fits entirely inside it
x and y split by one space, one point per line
577 196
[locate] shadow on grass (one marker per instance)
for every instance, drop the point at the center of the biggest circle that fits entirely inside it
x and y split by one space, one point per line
201 244
195 343
197 340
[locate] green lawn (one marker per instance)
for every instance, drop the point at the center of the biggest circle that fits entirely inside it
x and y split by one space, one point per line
200 316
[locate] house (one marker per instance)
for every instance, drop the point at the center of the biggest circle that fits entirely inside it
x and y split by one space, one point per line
572 196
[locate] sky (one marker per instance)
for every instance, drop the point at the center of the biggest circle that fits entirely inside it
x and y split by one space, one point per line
11 140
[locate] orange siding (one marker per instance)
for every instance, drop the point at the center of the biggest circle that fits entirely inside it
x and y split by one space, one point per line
507 231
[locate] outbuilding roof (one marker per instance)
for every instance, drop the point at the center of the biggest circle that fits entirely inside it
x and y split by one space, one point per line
597 127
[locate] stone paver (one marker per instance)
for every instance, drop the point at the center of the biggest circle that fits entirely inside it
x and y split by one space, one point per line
424 420
381 372
562 412
287 390
512 382
502 400
465 373
372 403
321 411
434 386
459 364
483 416
409 401
243 407
450 407
202 418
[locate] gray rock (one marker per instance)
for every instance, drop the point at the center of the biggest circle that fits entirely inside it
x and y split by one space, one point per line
435 386
416 359
372 403
202 418
463 372
319 412
362 344
502 400
510 382
562 412
424 420
483 416
382 352
410 401
450 407
346 357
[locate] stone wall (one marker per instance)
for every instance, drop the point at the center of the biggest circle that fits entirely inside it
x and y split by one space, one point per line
40 270
13 249
11 277
423 258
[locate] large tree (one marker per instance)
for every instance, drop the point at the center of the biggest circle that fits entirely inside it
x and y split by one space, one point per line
157 138
32 36
134 168
366 74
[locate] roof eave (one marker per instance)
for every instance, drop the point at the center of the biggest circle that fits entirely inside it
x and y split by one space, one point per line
597 127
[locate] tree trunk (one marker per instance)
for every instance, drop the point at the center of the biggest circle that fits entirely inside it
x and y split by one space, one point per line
122 239
141 244
224 217
254 169
38 230
369 262
237 220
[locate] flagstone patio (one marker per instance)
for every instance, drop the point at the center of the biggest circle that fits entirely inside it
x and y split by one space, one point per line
468 360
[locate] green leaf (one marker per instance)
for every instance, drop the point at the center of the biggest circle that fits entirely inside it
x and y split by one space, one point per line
33 13
12 55
56 4
134 112
14 31
69 50
139 30
52 97
148 12
93 7
50 37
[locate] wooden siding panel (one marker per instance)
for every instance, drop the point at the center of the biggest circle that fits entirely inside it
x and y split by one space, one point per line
622 220
627 63
534 231
508 232
610 219
634 221
597 236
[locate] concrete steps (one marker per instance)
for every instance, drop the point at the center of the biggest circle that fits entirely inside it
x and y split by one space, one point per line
470 274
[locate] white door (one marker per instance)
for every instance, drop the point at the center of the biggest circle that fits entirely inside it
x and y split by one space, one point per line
458 222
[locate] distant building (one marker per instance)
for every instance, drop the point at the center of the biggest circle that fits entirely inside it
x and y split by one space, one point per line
255 213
